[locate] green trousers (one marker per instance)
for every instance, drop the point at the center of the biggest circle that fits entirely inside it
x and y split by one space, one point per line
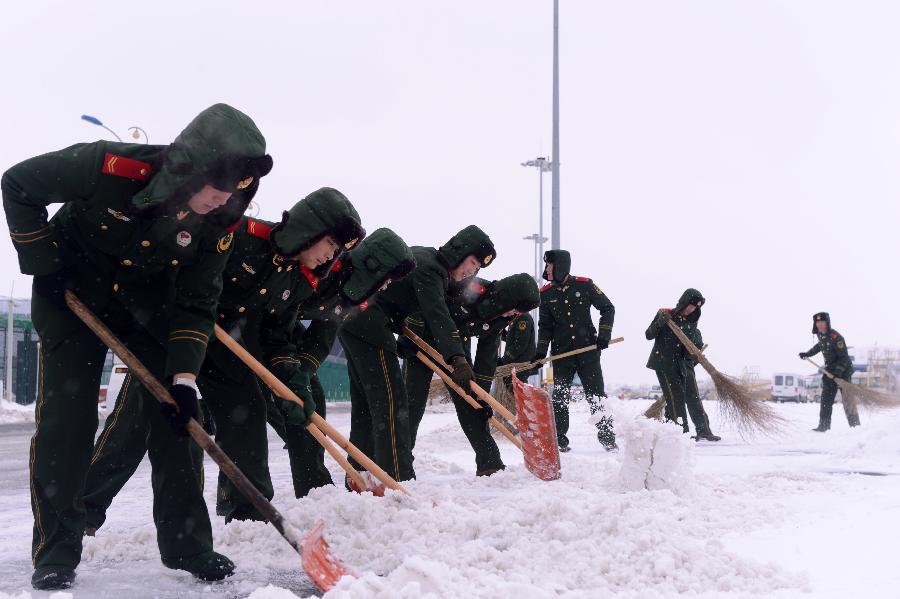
679 388
237 406
62 445
307 456
587 366
417 378
379 418
829 394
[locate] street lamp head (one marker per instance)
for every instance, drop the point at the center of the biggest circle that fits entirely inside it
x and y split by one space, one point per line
91 119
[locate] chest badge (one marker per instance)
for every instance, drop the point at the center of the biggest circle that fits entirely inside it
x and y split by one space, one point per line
286 294
248 268
183 239
522 325
118 215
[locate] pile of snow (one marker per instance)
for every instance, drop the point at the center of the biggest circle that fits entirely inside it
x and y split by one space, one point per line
657 455
11 412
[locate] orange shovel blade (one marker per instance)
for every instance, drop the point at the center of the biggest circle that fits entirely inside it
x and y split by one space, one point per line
537 430
323 568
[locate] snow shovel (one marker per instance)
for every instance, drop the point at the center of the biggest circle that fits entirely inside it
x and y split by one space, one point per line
313 549
317 425
857 395
506 369
537 430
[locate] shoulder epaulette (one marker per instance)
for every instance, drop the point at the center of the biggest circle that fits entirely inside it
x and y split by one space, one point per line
258 228
835 334
129 168
235 225
583 279
546 287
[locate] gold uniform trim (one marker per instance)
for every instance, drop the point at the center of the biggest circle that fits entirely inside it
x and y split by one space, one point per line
199 333
390 398
310 358
30 233
120 405
35 505
201 341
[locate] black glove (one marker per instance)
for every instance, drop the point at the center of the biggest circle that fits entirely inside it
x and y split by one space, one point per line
803 355
188 407
294 413
602 343
485 412
462 372
53 287
663 317
406 348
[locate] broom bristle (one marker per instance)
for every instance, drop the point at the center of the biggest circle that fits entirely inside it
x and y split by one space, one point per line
745 406
506 369
504 395
857 395
656 409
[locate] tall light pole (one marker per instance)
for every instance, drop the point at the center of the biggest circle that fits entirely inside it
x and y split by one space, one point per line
136 132
543 165
554 212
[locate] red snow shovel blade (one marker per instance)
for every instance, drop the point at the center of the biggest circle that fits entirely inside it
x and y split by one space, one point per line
323 568
537 430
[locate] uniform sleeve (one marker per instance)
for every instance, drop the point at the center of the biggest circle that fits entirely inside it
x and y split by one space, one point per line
655 326
840 348
30 186
519 342
814 350
281 350
430 288
486 353
197 289
607 313
545 331
317 343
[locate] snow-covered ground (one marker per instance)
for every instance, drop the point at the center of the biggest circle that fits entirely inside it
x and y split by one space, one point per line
11 412
805 514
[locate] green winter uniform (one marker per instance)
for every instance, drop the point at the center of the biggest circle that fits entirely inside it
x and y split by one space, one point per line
126 243
520 345
564 324
837 362
674 366
258 306
381 257
380 423
478 313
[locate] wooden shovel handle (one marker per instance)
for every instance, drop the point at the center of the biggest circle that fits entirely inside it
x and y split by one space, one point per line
459 390
573 352
193 427
317 423
476 388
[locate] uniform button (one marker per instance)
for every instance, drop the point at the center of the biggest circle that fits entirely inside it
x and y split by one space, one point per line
145 244
103 227
127 262
242 308
221 316
174 263
567 301
234 279
573 336
115 286
273 310
321 307
262 291
569 313
143 171
280 269
571 326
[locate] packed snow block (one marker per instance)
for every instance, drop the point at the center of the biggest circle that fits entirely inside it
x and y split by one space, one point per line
537 430
657 455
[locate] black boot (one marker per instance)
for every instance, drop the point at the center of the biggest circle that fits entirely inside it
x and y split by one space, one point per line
853 420
823 427
52 578
208 565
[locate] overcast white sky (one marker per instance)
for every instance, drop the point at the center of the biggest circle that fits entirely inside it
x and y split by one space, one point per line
749 149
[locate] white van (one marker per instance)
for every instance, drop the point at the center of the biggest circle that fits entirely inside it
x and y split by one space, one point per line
788 387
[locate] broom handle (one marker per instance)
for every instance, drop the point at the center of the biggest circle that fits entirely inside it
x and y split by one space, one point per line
692 349
282 391
821 368
314 430
459 390
439 359
574 352
200 436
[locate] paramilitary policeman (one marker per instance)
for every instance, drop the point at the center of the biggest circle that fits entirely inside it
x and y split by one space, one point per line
269 274
674 365
482 310
141 239
837 362
380 423
379 260
564 323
